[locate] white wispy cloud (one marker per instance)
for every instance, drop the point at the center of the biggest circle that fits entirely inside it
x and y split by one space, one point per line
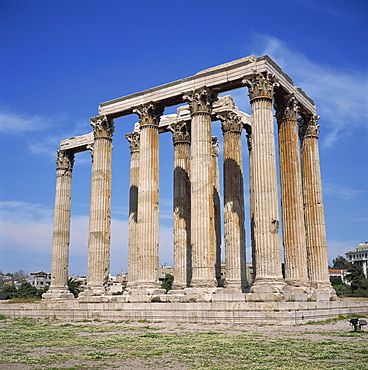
340 191
339 247
340 94
15 123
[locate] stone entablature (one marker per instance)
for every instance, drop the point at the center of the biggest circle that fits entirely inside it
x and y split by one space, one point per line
223 78
77 143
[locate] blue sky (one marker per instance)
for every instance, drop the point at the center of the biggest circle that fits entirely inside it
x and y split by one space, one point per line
61 59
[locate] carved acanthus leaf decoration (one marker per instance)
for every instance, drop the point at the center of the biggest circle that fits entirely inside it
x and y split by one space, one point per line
230 122
286 108
149 114
134 140
181 132
200 101
261 85
308 127
103 127
64 160
215 146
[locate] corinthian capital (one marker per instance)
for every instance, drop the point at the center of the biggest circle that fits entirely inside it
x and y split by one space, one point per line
103 127
261 85
181 132
286 108
64 160
215 146
134 140
308 126
230 122
200 101
149 114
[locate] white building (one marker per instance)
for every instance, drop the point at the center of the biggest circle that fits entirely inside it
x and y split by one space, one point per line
359 256
39 279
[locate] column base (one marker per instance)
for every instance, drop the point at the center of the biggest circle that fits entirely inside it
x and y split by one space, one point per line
202 294
93 291
204 283
236 285
228 294
58 293
145 295
267 291
321 292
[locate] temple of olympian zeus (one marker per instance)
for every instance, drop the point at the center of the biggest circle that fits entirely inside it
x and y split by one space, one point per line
196 203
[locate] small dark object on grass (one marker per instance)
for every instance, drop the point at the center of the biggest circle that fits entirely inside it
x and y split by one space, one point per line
358 324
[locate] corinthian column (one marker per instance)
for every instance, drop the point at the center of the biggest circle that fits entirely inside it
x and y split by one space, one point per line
61 234
269 282
148 195
182 246
133 245
234 231
217 206
100 218
314 210
202 209
293 230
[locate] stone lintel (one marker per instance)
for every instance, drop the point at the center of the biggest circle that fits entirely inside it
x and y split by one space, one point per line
225 77
77 143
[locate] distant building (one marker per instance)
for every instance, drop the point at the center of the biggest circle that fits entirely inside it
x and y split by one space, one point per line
162 271
340 273
359 256
39 279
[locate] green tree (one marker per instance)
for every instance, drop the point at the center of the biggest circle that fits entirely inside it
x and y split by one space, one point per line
168 282
26 290
358 282
8 292
41 291
74 286
340 263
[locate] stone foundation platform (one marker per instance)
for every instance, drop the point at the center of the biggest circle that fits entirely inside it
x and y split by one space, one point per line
271 313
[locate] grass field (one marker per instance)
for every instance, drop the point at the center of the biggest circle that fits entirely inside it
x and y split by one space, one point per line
39 344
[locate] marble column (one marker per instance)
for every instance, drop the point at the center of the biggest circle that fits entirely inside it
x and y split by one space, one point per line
251 197
148 195
269 282
217 207
314 209
293 230
234 232
202 210
61 234
100 214
181 232
133 246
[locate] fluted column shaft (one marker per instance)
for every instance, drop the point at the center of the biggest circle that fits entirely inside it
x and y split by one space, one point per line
133 245
61 233
148 195
234 232
251 198
217 206
100 213
266 213
313 203
181 232
202 209
293 230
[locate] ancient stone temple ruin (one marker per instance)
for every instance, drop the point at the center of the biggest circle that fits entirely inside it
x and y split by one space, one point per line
196 216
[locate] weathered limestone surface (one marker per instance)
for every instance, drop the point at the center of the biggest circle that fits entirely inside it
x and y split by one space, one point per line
234 232
100 219
202 210
61 233
133 246
293 230
314 210
216 207
182 240
269 282
148 196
